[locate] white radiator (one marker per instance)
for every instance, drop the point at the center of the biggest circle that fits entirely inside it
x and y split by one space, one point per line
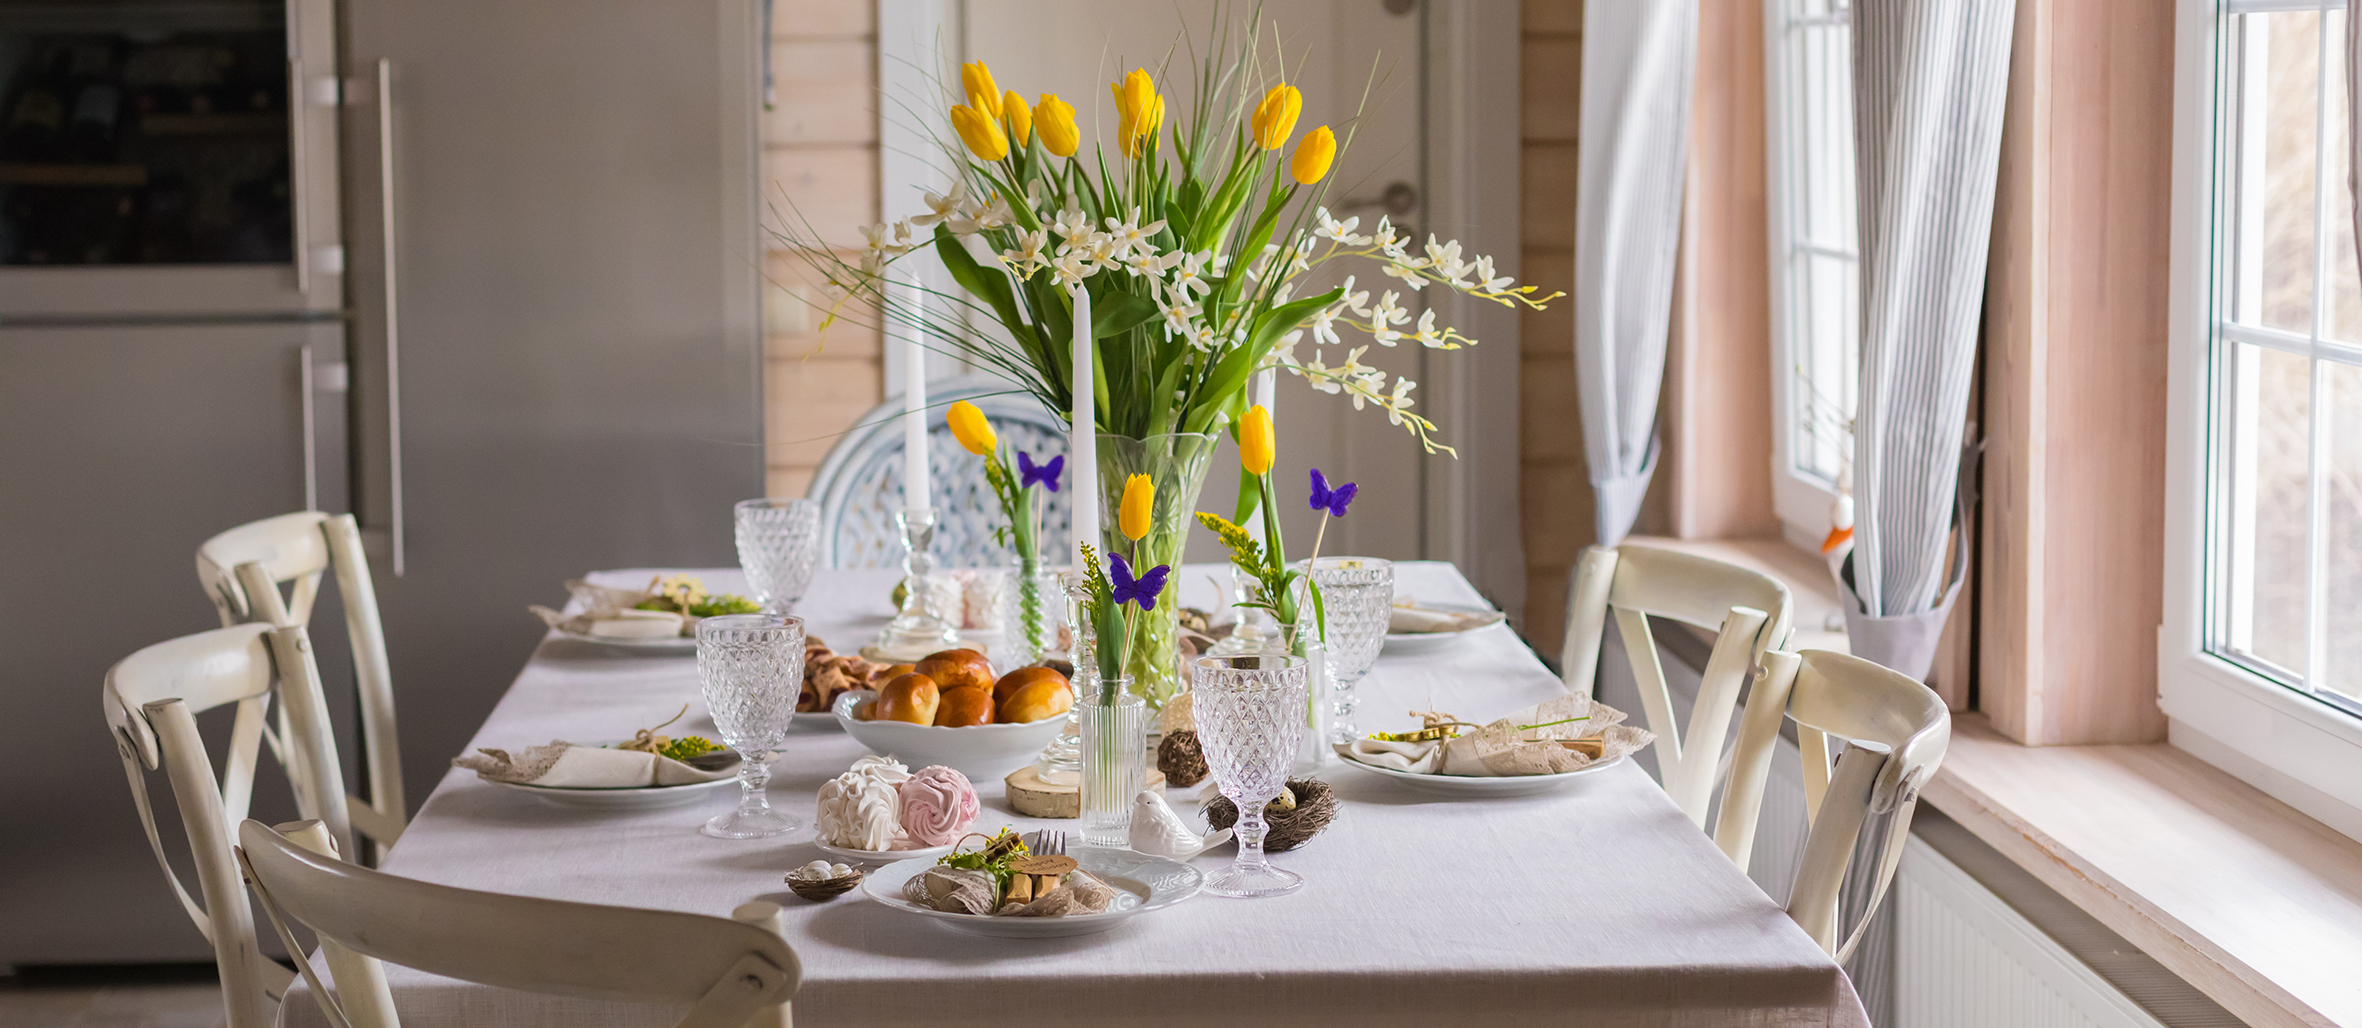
1964 959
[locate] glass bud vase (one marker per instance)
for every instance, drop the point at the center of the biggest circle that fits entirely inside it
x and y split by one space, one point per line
1115 761
1033 608
1176 463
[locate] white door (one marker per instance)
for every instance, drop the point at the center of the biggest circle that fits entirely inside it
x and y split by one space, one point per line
1335 50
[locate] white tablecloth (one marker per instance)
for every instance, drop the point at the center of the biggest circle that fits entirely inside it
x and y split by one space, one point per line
1596 905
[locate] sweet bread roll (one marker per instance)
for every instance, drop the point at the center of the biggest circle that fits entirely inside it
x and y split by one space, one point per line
1037 700
958 669
962 707
1024 676
880 674
912 697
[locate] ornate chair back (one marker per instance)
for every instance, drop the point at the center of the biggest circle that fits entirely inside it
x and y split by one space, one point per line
152 698
731 972
1896 730
1748 612
242 571
859 484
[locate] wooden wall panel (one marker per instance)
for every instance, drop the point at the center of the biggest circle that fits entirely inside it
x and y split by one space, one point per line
819 173
2075 376
1554 486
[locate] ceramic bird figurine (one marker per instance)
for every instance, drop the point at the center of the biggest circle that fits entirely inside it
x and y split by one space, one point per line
1157 831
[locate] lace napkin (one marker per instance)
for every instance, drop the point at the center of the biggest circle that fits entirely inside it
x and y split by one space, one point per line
1502 749
592 603
564 765
1407 618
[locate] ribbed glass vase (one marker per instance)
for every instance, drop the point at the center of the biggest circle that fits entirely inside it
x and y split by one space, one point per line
1115 761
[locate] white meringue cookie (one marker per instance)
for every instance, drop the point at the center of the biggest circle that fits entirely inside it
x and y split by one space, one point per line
886 769
857 811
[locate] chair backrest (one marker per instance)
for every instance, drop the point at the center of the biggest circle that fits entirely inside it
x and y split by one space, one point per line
242 571
1748 611
152 698
1896 732
733 971
859 484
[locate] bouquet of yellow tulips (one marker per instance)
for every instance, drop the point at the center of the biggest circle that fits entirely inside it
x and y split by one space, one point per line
1187 232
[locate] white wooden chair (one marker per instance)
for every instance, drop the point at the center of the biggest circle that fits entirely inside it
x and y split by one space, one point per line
242 571
152 698
731 972
1748 611
1896 730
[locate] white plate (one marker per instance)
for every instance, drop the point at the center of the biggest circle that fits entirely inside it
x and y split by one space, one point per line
876 856
1470 787
1423 642
684 644
1142 883
648 797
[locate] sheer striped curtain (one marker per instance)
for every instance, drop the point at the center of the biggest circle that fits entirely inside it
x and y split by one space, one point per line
1639 58
1930 77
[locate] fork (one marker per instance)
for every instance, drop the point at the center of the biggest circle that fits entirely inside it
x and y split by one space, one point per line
1049 842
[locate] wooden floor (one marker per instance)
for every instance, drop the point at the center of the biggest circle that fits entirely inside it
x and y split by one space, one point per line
170 996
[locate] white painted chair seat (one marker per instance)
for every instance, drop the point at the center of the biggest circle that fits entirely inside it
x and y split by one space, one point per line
1896 730
152 699
242 571
730 972
859 484
1748 611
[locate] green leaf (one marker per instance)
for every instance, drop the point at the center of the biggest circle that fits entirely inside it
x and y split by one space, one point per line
1119 312
986 284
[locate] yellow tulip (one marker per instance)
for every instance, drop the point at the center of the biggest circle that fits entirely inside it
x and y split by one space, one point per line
1019 118
982 94
1139 502
982 134
1255 444
1054 118
1313 156
1141 110
969 427
1275 117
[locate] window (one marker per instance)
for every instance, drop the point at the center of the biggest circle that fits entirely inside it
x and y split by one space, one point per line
1816 302
2260 659
2285 574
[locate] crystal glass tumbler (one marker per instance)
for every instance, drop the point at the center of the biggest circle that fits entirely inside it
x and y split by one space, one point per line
752 666
778 543
1358 593
1250 714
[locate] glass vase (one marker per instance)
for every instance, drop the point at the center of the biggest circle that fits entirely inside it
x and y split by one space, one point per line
1062 760
1176 463
1115 760
1033 607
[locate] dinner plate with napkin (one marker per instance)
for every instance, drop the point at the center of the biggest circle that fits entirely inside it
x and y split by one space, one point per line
1528 751
1414 627
601 776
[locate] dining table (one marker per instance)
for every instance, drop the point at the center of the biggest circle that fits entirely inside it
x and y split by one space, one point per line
1597 903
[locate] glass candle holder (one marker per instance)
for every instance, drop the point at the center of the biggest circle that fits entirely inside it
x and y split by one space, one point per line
916 631
1250 718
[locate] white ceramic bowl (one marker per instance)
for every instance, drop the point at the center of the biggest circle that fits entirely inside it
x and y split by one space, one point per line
984 753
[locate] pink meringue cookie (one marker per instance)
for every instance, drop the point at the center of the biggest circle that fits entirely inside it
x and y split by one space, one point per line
937 806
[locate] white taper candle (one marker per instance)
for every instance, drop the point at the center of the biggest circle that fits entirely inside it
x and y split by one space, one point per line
915 491
1082 448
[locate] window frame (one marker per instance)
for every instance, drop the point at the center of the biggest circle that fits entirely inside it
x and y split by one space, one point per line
1802 501
2292 745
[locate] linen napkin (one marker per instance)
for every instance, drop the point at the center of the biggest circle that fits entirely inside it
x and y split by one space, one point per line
1415 620
564 765
591 603
1502 749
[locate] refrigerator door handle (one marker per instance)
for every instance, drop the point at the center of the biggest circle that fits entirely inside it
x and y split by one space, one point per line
296 113
393 333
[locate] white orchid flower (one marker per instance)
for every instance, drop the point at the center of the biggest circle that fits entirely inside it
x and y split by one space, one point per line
1324 325
1341 232
1180 319
1189 280
1130 235
943 205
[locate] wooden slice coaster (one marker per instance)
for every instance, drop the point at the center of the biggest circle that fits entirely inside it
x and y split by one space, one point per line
1033 796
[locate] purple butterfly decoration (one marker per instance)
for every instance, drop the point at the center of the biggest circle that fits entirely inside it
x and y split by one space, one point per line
1142 590
1045 474
1332 500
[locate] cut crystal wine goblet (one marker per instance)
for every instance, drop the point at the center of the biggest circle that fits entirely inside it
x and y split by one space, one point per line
1250 714
752 667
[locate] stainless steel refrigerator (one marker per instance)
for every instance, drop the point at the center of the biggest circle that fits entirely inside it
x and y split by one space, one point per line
484 272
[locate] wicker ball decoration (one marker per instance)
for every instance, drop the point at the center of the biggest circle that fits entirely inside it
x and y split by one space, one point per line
821 890
1181 759
1316 806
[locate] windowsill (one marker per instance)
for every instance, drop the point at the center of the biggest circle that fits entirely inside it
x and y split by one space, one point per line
2243 896
1811 590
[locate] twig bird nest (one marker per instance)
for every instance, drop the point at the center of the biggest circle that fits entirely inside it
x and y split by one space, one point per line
1315 806
1181 759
